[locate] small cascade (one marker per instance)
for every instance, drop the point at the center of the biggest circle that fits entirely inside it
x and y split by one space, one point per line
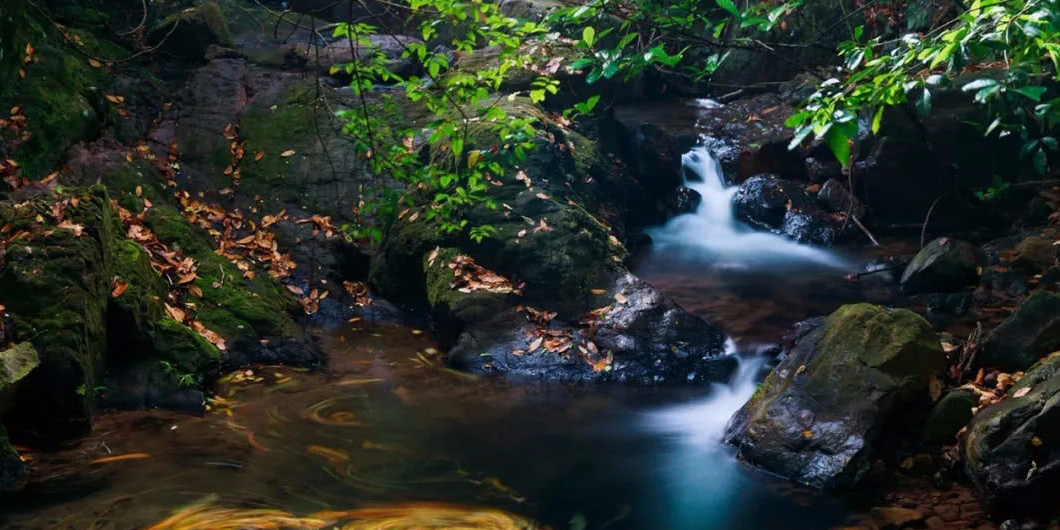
713 233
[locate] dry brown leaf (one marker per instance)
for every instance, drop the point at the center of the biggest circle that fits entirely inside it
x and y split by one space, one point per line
119 288
175 313
287 153
75 228
259 155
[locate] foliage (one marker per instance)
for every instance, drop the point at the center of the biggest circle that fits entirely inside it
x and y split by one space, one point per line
1019 37
456 175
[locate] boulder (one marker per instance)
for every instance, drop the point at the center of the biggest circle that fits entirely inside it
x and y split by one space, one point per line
783 207
15 364
565 287
1009 453
944 265
837 199
1029 333
1035 254
949 415
188 33
816 417
533 10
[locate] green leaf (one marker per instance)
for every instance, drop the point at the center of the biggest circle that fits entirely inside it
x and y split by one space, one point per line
978 84
1031 92
589 35
1040 161
729 6
839 143
923 105
877 119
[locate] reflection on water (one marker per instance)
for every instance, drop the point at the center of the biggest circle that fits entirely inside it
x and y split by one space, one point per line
382 428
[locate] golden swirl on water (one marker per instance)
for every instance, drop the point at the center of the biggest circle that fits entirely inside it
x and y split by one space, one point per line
410 516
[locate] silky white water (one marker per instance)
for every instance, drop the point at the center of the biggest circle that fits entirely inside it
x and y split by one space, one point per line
713 233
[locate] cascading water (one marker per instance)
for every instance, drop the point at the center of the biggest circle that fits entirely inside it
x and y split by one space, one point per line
713 232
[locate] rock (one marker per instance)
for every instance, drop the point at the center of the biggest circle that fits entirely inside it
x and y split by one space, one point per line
1029 333
188 33
894 518
1009 453
949 415
1004 283
783 207
684 200
15 364
558 246
948 304
816 417
945 264
533 10
1050 279
1035 254
837 199
11 468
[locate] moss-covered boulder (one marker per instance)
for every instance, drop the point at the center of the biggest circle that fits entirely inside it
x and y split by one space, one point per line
16 363
1028 334
188 33
1010 452
944 265
817 416
55 284
556 245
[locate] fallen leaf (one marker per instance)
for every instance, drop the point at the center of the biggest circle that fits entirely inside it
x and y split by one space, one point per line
118 458
259 155
1021 392
119 288
295 289
536 344
599 292
175 313
287 153
75 228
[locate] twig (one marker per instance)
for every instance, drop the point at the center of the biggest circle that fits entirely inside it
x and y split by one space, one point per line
923 228
863 229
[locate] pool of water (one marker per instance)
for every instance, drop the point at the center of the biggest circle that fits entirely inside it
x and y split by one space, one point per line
386 425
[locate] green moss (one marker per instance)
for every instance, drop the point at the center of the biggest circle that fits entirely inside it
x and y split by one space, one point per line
232 305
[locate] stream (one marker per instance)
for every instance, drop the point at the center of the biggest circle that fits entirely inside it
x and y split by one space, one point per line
386 423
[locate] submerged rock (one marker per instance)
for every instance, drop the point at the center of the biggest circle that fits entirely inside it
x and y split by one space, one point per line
816 417
1009 452
1029 333
944 265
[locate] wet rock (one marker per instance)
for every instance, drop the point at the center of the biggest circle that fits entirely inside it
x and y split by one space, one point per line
16 363
894 518
554 247
187 34
948 304
1050 279
949 415
1008 452
837 199
1000 282
945 264
1029 333
684 200
1035 254
784 207
816 417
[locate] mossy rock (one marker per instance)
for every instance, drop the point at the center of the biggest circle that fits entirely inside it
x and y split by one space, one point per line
188 33
951 414
818 415
944 265
56 285
561 261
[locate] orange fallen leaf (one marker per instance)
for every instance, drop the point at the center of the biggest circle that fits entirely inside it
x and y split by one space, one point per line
118 458
175 312
119 289
287 153
259 155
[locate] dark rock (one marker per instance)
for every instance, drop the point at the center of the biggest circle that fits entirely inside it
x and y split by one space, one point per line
16 363
784 207
948 304
187 34
945 264
1029 333
1005 282
816 417
1050 279
684 200
1009 452
837 199
949 415
1035 254
12 471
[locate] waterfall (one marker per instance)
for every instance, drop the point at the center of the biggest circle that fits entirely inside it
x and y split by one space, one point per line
714 233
